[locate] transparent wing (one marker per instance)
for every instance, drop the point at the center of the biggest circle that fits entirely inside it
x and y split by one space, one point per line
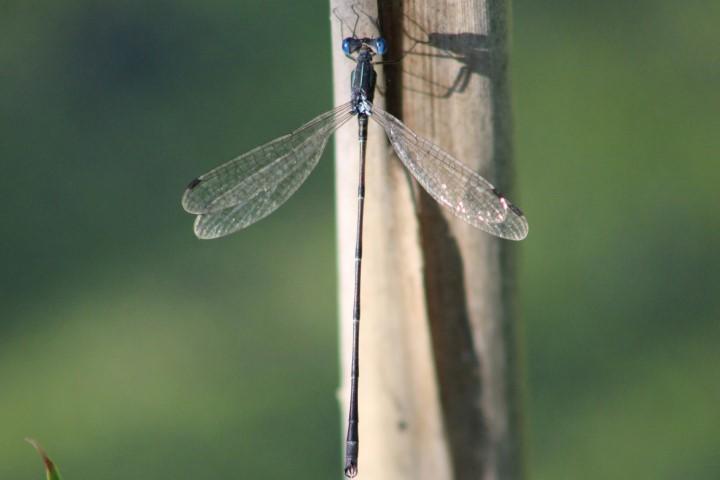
468 195
243 177
250 187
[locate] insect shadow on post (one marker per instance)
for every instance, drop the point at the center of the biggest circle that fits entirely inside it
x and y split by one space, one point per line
462 55
471 50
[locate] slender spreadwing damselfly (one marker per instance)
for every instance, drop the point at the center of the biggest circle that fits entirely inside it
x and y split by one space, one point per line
250 187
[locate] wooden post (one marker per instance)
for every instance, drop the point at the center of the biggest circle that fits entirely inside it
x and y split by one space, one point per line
438 359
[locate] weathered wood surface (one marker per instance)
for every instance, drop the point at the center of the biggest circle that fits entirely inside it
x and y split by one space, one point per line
438 358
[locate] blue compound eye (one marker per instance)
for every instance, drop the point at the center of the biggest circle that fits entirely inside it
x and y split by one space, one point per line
380 46
350 45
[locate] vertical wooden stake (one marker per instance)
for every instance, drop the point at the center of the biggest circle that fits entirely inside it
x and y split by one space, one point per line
438 359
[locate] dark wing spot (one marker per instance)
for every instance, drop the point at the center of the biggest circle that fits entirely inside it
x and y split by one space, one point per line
512 207
194 183
515 210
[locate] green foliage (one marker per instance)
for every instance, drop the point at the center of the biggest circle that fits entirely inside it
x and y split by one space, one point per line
51 471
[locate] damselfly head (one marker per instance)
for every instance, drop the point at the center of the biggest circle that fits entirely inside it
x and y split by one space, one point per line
351 45
380 46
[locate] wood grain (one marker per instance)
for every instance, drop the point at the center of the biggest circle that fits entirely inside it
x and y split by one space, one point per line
438 385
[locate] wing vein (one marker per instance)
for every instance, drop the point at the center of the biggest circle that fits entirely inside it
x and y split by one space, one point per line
464 192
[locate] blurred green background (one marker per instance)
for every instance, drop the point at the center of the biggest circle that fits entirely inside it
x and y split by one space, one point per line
133 350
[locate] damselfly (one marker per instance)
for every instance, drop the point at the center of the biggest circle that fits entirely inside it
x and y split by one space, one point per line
250 187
